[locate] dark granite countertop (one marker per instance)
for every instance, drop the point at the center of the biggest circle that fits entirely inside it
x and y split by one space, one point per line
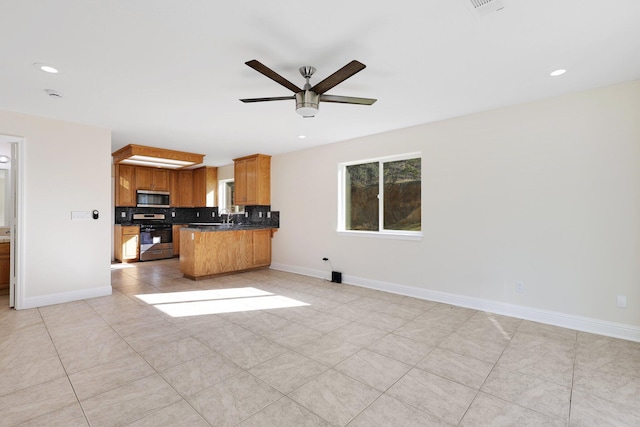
203 226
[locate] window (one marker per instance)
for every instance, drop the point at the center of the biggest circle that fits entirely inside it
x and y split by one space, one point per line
387 206
225 196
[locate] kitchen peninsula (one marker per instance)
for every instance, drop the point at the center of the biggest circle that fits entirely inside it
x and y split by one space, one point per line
208 250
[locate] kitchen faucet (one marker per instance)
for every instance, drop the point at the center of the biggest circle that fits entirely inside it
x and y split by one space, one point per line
228 221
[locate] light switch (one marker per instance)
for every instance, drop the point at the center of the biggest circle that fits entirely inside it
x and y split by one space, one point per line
80 215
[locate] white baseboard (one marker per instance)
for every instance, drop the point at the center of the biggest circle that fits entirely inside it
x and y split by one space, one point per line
580 323
66 297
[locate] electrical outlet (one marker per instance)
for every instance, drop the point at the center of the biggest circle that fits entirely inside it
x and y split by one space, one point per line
269 214
173 214
519 287
123 214
213 214
259 214
198 214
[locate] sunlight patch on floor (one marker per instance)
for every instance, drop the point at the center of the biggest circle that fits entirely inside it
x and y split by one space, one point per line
120 266
499 327
217 301
204 295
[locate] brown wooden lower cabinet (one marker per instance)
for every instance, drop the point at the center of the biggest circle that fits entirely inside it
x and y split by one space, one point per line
262 248
5 267
126 242
175 238
208 253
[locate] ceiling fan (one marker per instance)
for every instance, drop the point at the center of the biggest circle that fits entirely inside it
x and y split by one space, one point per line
308 98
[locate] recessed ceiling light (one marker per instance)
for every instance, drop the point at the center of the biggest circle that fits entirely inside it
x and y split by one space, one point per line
302 136
557 73
46 68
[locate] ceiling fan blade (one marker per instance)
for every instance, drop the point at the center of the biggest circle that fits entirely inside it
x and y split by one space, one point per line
273 98
263 69
338 77
347 99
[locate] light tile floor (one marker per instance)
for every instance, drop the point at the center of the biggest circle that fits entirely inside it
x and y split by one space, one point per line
268 348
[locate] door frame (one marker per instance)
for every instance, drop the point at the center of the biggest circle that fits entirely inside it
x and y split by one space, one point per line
16 284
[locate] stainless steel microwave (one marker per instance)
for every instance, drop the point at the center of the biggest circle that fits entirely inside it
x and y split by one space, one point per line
152 199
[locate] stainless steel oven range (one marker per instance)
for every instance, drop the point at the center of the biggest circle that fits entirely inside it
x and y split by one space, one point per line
155 236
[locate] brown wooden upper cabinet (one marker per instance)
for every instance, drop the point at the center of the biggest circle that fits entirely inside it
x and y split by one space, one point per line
181 189
187 188
125 185
252 180
152 179
205 183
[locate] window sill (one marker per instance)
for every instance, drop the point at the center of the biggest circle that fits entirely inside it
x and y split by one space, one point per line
382 234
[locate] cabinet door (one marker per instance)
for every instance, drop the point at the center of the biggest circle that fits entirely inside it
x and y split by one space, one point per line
160 180
205 183
173 189
5 267
243 242
199 188
126 185
130 244
261 248
252 176
240 182
176 238
185 189
144 178
252 181
152 179
263 180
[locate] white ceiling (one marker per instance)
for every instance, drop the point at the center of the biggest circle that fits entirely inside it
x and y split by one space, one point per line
169 73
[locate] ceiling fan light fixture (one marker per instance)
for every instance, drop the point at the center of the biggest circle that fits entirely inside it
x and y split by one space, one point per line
307 103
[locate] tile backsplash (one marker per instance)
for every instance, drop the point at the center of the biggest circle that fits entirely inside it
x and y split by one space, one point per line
262 215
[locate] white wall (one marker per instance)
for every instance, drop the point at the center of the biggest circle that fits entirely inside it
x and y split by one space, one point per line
225 172
66 168
547 193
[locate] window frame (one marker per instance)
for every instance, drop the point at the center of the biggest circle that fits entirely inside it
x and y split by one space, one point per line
342 202
222 197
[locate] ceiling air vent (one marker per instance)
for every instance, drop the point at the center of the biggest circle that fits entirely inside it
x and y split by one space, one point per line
483 7
53 93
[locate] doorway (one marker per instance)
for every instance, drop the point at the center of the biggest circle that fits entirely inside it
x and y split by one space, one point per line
11 155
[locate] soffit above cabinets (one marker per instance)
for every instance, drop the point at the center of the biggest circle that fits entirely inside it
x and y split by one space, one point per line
141 155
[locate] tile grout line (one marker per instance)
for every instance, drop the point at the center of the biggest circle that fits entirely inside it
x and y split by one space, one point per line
84 414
